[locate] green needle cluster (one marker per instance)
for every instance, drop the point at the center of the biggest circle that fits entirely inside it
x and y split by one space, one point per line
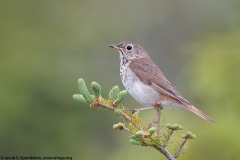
85 97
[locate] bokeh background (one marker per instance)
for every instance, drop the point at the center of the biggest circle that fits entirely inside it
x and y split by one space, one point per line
45 46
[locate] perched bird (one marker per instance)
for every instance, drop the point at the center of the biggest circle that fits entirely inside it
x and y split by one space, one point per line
146 83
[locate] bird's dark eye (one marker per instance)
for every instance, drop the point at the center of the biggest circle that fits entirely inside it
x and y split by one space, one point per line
129 47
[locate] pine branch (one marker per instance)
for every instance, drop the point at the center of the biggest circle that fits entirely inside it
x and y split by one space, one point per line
182 147
142 135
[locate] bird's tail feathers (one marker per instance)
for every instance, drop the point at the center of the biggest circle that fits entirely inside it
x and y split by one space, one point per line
200 113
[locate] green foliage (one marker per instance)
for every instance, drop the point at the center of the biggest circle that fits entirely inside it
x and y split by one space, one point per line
174 126
140 134
134 142
120 96
143 135
152 130
118 112
113 93
83 89
96 88
189 135
80 98
118 126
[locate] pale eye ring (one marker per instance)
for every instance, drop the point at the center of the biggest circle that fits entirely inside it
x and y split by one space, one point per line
129 47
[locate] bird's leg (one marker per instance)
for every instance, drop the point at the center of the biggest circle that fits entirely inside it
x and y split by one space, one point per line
145 108
141 109
158 108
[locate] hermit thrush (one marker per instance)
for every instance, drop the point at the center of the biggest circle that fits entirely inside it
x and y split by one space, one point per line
146 83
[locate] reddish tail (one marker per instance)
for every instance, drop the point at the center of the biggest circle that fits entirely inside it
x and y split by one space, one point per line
200 113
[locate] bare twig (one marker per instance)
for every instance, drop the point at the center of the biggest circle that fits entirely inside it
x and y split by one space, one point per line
180 148
158 120
128 130
127 118
168 138
152 123
165 152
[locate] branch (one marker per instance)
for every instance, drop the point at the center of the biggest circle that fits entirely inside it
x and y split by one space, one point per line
141 134
183 146
165 152
180 148
120 113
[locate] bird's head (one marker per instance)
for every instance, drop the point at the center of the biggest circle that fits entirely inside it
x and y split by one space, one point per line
130 50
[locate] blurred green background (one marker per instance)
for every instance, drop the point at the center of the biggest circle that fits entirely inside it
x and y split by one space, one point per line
45 46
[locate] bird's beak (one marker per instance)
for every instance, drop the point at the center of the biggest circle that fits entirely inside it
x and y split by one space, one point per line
115 46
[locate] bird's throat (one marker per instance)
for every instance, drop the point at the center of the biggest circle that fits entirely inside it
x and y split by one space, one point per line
124 60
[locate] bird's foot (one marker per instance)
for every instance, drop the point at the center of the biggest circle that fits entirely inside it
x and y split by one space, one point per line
157 106
141 109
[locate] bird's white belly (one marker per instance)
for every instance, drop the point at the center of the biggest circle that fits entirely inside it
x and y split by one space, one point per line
144 93
140 91
148 96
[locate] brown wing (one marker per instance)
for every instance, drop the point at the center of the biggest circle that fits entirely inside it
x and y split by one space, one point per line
150 74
